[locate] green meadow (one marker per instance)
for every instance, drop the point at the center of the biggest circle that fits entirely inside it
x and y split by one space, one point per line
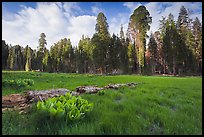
157 105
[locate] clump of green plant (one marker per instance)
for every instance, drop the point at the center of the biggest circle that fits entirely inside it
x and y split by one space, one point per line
68 106
17 83
28 82
101 92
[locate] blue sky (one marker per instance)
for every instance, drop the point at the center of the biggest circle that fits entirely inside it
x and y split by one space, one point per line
22 22
110 7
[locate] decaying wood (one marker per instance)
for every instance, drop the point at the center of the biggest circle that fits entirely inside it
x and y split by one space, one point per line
34 96
73 93
13 100
24 100
88 89
116 86
95 89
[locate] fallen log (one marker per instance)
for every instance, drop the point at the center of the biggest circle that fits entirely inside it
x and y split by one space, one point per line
73 93
95 89
116 86
24 100
13 100
88 89
34 96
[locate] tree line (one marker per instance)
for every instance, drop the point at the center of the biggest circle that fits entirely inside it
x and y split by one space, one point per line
176 48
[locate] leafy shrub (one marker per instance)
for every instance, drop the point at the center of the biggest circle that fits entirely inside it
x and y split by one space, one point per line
17 83
68 106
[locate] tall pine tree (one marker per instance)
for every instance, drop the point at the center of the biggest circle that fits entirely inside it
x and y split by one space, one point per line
41 50
101 40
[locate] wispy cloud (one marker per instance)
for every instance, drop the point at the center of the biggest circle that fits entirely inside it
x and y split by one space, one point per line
159 9
116 22
96 10
67 20
56 20
132 5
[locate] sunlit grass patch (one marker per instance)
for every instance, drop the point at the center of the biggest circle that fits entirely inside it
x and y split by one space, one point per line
157 105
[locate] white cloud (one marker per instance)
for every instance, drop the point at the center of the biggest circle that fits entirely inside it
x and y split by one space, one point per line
81 25
173 8
116 22
96 10
132 5
56 20
62 20
72 8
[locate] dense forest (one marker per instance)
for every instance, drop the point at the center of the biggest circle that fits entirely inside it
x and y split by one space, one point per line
176 49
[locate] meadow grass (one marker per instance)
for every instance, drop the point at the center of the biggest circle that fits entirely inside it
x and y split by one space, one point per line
157 105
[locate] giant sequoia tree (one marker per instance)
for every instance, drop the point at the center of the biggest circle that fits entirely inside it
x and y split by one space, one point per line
139 24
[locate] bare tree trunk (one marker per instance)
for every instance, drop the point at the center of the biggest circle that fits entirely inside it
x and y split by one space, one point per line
101 69
164 66
153 67
174 65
